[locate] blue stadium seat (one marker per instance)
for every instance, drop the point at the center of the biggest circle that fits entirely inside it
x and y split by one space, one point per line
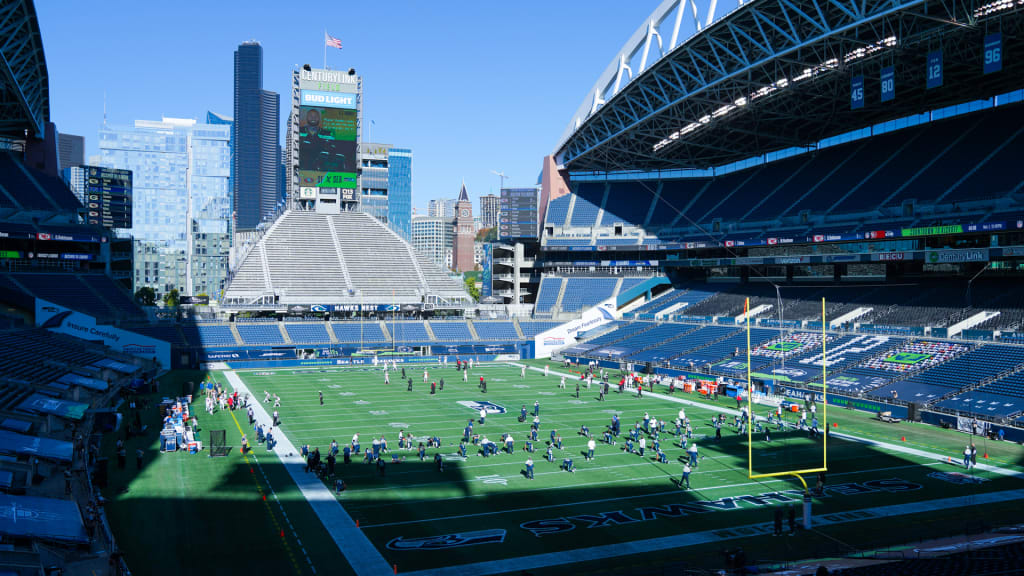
996 400
496 330
628 203
408 331
694 338
558 210
260 334
675 196
581 293
307 332
451 331
70 290
114 294
547 294
588 202
974 366
356 332
209 335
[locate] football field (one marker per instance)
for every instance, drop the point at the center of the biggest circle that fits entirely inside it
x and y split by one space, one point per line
483 515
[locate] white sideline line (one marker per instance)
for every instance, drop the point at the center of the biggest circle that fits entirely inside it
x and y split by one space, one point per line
550 559
361 554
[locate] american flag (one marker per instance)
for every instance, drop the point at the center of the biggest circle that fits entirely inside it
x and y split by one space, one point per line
331 41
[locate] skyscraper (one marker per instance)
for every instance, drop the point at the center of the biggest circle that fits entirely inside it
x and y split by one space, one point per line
181 201
489 210
70 151
256 157
441 208
462 243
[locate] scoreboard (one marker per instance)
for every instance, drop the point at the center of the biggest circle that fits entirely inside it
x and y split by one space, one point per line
108 197
517 217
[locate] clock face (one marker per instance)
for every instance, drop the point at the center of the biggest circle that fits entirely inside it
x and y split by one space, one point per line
465 213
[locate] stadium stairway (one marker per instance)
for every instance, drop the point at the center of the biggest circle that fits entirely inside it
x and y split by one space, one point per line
472 330
384 330
341 255
330 333
235 334
519 329
284 333
561 294
430 331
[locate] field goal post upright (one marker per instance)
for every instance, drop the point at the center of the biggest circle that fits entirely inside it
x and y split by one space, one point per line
824 402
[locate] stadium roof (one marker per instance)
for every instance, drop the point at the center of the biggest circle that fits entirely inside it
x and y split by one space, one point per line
777 74
24 84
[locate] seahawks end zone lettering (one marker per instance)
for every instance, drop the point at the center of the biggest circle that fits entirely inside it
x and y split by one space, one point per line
495 536
555 525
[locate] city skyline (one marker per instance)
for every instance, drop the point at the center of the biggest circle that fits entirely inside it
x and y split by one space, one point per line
456 131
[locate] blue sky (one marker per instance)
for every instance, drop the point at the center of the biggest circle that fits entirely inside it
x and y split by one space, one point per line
469 86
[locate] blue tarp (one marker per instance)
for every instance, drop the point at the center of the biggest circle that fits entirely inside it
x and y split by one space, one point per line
117 366
78 380
22 445
16 425
44 518
55 406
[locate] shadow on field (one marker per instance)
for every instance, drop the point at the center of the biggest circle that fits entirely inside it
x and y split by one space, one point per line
419 517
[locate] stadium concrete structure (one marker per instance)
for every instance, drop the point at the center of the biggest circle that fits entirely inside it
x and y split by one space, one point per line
783 161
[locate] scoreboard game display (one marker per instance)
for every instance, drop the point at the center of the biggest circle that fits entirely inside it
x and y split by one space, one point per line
108 197
328 133
327 147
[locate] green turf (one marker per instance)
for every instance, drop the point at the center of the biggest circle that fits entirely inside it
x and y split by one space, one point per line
189 514
413 500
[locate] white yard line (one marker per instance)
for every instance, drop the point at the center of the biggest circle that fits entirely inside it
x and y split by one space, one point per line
547 560
617 498
361 554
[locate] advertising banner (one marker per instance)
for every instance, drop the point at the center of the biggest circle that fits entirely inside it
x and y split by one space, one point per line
57 318
565 335
485 276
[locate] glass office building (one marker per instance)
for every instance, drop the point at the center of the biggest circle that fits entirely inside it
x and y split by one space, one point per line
400 191
386 186
181 201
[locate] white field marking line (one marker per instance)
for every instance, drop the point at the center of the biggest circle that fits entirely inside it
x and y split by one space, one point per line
283 513
615 499
360 553
510 477
569 504
893 447
563 557
506 463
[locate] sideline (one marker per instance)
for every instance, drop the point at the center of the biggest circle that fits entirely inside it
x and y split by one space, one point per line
361 554
538 561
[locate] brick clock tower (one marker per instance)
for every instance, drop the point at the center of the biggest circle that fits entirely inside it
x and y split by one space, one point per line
463 237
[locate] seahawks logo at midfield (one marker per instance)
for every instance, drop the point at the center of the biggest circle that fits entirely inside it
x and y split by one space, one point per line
489 407
495 536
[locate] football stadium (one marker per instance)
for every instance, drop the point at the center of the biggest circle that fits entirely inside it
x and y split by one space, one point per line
765 315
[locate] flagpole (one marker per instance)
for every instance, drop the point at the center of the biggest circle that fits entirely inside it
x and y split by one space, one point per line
325 48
